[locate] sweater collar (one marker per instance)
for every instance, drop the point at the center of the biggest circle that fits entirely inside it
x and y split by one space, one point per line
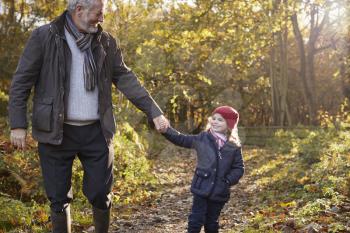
228 143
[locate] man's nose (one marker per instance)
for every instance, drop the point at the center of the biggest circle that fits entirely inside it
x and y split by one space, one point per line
100 19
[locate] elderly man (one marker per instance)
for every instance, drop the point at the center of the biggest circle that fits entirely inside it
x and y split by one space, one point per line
72 63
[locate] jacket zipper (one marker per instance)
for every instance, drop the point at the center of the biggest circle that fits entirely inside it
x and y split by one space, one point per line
59 44
218 155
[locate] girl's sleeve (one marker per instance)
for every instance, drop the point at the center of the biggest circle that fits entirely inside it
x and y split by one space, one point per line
237 168
180 139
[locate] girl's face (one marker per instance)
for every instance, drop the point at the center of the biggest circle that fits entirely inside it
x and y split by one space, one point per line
218 123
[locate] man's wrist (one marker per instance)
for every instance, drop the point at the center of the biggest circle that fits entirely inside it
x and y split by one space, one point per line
155 111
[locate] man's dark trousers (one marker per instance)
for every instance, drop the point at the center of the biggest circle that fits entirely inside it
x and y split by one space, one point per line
204 213
88 143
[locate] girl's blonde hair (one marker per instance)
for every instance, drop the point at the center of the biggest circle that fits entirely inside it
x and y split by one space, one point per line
232 135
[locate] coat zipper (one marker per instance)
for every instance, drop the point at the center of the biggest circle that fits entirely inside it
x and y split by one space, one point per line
219 154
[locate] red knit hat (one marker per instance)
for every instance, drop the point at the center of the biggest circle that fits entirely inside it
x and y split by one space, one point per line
229 114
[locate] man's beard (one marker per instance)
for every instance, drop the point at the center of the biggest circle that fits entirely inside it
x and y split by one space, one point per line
88 28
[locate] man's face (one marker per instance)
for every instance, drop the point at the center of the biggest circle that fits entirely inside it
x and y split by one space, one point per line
89 17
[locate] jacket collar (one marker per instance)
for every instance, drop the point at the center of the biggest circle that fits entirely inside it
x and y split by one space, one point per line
57 26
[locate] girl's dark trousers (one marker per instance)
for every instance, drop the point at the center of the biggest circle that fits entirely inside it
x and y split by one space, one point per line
204 213
88 143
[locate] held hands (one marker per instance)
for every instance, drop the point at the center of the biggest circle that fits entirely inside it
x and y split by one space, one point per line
161 123
18 138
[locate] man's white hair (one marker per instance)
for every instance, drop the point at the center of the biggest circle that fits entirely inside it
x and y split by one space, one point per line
72 4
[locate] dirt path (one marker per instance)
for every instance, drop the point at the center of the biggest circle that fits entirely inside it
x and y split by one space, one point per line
169 212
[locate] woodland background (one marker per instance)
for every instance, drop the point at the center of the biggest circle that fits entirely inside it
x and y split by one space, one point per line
283 64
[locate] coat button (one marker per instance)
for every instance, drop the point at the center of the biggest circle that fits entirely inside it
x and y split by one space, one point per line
212 182
214 169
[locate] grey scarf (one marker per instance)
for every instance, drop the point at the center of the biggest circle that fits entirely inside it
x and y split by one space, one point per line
83 42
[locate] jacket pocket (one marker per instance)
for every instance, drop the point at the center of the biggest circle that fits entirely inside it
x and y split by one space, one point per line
42 114
223 188
200 176
108 120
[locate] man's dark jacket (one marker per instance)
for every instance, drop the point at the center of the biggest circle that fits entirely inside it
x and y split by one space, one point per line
45 65
216 169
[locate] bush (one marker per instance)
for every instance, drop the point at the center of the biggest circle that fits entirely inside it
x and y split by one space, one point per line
310 167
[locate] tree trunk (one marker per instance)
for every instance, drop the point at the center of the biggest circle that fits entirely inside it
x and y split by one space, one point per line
275 96
283 43
274 88
308 97
12 9
345 64
279 68
283 40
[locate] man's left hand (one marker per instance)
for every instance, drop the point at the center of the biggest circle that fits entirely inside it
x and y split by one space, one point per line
161 123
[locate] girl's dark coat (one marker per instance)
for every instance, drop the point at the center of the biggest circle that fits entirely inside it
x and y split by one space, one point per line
216 170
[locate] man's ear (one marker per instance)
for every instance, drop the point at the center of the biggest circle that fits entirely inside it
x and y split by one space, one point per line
79 10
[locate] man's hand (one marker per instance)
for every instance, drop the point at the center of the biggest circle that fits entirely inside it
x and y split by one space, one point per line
18 138
161 123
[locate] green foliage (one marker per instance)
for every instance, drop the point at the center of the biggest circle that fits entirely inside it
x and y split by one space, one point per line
314 208
132 169
14 213
307 175
3 96
207 53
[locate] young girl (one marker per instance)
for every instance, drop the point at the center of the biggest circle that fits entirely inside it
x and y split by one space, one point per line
219 166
